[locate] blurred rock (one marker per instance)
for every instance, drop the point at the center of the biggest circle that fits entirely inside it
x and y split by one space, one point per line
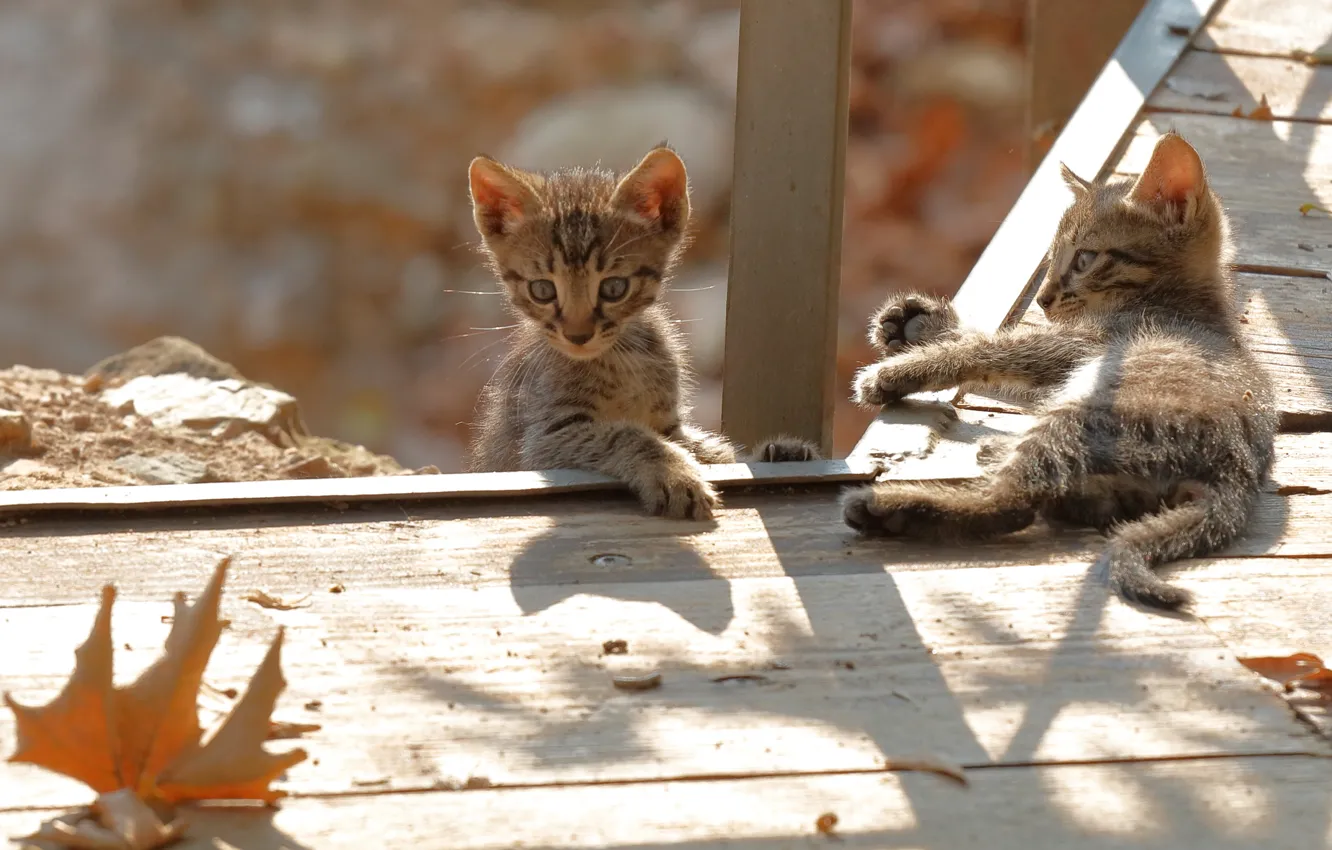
169 468
616 127
15 432
223 408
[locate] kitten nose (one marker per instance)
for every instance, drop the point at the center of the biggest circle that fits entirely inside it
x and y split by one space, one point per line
577 339
1045 300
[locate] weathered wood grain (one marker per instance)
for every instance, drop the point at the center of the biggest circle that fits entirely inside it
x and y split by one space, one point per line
1221 804
1264 171
420 686
1288 322
1273 607
471 485
528 544
1262 26
1221 83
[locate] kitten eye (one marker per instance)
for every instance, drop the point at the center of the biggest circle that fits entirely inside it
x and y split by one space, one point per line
1082 260
614 288
542 291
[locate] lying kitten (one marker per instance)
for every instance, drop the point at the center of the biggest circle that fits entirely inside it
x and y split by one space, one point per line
596 376
1157 424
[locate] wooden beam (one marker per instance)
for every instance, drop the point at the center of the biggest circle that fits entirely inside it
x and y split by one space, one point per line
786 219
1068 43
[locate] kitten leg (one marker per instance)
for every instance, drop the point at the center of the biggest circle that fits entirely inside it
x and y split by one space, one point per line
784 449
704 445
1031 475
1200 519
1022 359
937 511
663 475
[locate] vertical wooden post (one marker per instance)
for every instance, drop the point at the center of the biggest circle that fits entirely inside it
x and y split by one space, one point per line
786 219
1068 43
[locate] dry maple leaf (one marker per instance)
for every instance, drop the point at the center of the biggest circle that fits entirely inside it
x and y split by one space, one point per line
1302 669
146 736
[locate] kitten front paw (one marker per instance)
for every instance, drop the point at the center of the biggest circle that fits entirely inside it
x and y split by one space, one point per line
911 319
784 449
880 514
679 492
883 383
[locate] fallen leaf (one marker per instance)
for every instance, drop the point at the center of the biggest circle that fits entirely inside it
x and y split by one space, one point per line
145 738
1262 111
1309 58
1305 209
939 767
282 729
115 821
1301 668
264 599
826 823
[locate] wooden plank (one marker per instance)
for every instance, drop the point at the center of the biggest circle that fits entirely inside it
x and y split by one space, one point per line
1010 262
1274 29
1290 330
786 219
1068 44
1220 83
555 542
1224 804
406 487
422 686
1263 171
1272 607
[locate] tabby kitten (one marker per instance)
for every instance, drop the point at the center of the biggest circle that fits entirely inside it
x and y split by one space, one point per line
596 376
1156 425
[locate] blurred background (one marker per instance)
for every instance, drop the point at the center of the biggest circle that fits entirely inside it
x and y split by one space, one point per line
284 182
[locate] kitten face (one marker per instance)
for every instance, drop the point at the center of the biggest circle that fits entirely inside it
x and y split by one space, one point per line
580 252
1123 242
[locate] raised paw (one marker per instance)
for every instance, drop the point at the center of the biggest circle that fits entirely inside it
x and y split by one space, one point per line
911 319
678 493
883 383
783 449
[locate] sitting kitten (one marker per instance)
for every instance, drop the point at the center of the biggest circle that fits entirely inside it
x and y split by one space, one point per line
1156 426
596 374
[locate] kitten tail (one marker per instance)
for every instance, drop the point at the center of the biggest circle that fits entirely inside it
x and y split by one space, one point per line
1203 519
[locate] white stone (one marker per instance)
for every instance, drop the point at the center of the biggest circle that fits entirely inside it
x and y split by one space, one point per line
231 406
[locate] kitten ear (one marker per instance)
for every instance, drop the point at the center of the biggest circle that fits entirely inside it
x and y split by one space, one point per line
500 200
656 191
1174 178
1074 182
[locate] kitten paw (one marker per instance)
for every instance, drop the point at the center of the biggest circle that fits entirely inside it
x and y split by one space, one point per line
992 451
883 383
911 319
679 494
784 450
864 510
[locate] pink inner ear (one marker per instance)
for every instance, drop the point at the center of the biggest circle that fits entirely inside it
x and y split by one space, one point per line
1174 174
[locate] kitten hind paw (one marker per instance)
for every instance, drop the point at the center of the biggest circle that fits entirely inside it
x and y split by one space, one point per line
783 449
911 319
866 512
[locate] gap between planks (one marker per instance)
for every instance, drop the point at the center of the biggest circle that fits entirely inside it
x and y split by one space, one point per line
1228 804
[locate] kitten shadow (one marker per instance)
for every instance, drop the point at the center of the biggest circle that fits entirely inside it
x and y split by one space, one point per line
556 566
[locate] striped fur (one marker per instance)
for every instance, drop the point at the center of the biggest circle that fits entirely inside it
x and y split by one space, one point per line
596 377
1157 424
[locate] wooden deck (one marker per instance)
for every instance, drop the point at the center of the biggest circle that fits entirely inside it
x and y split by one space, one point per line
466 701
